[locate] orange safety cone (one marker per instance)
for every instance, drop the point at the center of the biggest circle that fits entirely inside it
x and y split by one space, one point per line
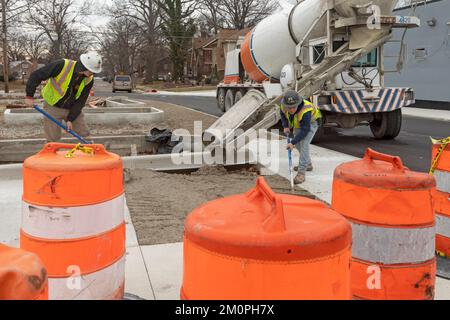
393 225
22 275
73 219
261 245
441 171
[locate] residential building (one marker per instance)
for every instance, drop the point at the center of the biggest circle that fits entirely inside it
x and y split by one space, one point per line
426 59
207 55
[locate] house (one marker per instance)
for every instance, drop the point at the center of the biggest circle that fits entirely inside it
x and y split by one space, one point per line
164 68
21 70
196 68
207 55
426 60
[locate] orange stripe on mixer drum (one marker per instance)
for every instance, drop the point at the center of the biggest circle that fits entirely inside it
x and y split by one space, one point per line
248 62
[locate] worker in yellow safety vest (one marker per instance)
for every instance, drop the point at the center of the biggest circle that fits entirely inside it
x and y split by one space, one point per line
301 118
66 92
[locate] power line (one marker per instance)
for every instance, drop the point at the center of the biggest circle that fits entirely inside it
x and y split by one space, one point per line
108 33
115 33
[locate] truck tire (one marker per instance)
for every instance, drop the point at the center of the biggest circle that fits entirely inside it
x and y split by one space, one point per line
229 99
387 125
238 96
221 99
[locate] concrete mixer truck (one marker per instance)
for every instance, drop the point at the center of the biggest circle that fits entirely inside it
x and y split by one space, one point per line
331 52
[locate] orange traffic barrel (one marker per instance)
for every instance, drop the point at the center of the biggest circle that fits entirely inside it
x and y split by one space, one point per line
393 226
22 275
442 200
261 245
73 219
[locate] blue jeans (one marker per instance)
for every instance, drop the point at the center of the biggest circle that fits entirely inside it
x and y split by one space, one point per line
303 147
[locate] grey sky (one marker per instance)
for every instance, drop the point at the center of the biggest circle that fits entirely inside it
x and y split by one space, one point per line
99 20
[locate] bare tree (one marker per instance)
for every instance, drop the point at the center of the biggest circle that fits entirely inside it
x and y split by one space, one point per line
15 10
211 12
5 47
54 18
17 44
75 43
121 45
240 14
146 14
178 27
36 46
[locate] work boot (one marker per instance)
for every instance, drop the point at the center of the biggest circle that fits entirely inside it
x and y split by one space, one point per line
309 168
300 178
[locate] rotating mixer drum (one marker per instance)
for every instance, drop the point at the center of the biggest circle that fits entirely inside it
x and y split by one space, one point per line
272 43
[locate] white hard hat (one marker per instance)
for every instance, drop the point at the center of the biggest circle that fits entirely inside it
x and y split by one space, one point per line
92 61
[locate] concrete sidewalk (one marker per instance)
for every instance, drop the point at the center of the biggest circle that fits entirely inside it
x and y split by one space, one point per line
319 182
439 115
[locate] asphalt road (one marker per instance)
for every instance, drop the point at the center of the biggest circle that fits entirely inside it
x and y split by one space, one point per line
413 145
204 104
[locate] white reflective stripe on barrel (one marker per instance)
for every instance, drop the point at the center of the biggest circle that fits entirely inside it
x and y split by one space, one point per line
442 180
99 285
74 222
443 225
392 245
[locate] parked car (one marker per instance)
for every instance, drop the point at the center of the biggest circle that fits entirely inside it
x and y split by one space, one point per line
122 83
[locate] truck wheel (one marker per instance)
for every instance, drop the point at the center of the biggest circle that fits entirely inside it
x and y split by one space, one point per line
387 125
229 99
239 95
221 99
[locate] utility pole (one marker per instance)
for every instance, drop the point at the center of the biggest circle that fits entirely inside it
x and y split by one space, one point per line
5 48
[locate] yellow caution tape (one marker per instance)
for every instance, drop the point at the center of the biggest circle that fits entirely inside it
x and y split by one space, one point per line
443 144
442 254
79 147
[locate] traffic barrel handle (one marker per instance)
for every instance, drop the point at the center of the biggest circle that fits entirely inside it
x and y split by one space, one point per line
55 147
394 160
275 221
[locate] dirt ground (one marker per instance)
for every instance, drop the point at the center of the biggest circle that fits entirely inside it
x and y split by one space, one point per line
160 202
176 118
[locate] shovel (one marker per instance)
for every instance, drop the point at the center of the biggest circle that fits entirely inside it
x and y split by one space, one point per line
59 124
291 168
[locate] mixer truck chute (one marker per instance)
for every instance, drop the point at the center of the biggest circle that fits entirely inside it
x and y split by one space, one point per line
330 51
